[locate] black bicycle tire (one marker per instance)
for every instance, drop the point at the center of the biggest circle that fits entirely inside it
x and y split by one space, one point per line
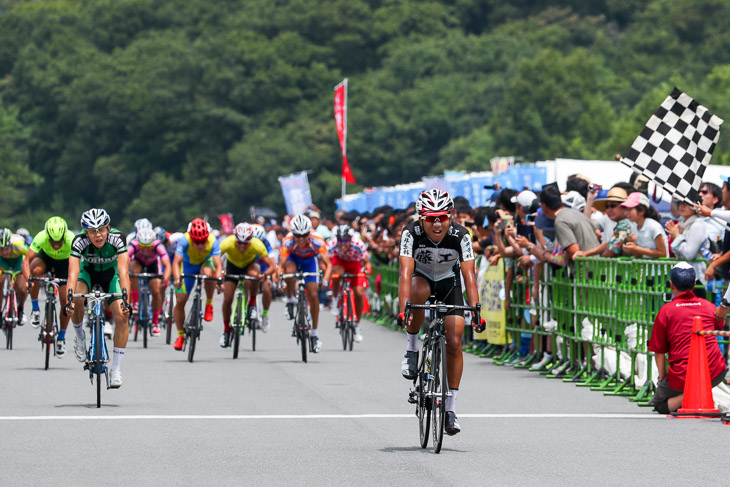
350 321
192 332
302 331
440 389
251 325
170 317
236 329
343 320
424 412
98 356
146 329
11 325
48 333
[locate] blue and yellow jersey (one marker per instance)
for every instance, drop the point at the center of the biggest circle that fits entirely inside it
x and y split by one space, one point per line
191 255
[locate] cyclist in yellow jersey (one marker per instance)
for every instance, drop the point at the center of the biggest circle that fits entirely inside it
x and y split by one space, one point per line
12 253
242 249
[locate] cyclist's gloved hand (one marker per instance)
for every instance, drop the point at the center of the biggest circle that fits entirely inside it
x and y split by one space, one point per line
480 326
401 320
69 308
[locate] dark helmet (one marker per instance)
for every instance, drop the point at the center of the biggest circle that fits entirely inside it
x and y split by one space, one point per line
683 276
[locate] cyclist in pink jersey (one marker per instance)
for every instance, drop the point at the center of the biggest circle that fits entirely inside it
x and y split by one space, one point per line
147 255
349 255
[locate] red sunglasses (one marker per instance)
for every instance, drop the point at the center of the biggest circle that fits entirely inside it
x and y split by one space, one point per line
433 219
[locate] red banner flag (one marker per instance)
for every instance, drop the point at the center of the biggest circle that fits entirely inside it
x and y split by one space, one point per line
226 223
341 122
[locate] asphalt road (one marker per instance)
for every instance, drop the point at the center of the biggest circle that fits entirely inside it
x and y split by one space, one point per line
341 419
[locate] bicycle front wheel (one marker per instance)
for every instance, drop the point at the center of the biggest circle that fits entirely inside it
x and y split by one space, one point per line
10 323
440 389
424 407
192 330
237 317
48 340
169 316
98 355
251 326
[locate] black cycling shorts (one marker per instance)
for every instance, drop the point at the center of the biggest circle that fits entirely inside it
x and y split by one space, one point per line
236 271
57 268
448 291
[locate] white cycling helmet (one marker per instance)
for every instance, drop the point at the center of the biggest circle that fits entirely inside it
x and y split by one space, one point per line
142 223
95 218
243 232
146 236
300 225
175 238
434 202
259 232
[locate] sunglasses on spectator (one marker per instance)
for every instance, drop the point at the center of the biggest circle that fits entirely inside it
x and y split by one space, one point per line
704 191
432 219
612 205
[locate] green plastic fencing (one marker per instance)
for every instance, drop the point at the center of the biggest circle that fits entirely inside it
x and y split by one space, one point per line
596 317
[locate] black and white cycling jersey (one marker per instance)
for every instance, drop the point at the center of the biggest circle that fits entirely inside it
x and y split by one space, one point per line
436 261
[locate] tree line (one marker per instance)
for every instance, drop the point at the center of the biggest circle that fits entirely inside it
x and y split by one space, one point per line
171 110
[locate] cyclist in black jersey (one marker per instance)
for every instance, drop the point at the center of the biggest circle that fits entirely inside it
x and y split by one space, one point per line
433 249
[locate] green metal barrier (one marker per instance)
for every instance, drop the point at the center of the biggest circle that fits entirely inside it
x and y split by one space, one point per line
614 296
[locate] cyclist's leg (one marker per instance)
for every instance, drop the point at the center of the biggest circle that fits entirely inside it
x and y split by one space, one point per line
59 269
181 295
420 291
267 294
82 287
209 270
252 287
312 290
121 330
156 292
454 355
135 267
290 267
229 290
336 269
37 269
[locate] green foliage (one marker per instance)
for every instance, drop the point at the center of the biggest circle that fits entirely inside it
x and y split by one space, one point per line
172 110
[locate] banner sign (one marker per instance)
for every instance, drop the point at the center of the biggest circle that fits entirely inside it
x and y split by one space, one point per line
341 123
493 312
295 188
501 164
226 223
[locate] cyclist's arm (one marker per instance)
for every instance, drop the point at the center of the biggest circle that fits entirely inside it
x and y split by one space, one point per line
218 265
176 268
367 266
407 266
168 267
470 282
74 267
26 263
270 264
123 270
327 266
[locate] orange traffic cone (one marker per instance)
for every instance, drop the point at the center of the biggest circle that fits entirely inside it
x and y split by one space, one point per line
697 401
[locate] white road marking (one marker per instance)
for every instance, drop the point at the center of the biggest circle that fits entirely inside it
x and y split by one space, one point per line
237 417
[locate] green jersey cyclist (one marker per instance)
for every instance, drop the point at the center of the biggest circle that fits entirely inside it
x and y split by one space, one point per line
12 252
99 256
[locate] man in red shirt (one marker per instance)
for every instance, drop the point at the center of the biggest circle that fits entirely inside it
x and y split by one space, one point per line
672 334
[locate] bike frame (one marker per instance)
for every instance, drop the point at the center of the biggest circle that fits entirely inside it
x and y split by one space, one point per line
49 330
194 320
348 311
301 318
241 318
143 317
9 307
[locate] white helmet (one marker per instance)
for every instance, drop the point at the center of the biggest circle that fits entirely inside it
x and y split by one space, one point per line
146 236
243 232
259 232
300 225
434 202
574 199
95 218
175 238
142 223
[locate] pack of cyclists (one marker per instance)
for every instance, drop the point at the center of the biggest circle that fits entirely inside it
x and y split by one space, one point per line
435 252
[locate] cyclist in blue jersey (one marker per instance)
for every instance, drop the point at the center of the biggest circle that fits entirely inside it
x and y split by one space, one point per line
267 288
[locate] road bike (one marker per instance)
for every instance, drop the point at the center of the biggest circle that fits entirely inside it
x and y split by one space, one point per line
167 312
302 320
9 307
142 319
49 328
431 385
98 356
347 317
194 320
243 313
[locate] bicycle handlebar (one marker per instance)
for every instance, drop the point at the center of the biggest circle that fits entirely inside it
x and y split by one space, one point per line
243 276
53 280
299 274
145 274
347 275
444 308
202 277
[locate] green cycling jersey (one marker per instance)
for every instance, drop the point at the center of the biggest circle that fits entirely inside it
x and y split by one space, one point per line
99 260
43 242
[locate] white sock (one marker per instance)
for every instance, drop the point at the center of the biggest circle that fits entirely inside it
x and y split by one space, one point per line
291 300
313 332
357 329
79 329
412 342
451 400
117 357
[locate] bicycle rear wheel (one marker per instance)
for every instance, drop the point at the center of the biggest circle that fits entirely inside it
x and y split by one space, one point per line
440 389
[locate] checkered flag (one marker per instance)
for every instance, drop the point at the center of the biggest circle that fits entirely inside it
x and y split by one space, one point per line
676 145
